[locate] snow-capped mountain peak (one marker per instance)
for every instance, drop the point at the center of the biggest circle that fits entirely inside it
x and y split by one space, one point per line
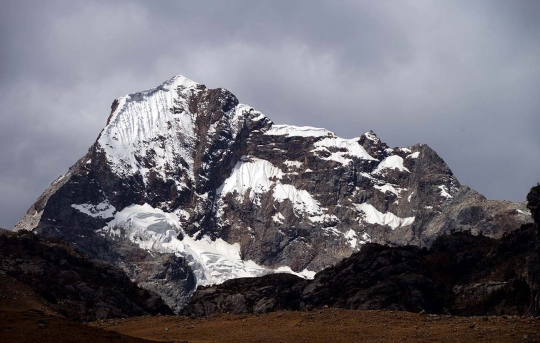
185 185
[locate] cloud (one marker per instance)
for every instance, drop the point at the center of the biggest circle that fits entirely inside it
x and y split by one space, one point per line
459 76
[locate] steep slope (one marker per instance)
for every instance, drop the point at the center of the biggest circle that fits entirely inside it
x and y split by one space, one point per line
187 186
460 274
69 284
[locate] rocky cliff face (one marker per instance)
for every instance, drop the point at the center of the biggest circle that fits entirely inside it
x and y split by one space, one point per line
70 283
187 186
460 274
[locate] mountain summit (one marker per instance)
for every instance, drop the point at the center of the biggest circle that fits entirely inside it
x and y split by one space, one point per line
185 186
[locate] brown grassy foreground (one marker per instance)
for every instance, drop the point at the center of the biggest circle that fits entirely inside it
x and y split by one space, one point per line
328 325
25 317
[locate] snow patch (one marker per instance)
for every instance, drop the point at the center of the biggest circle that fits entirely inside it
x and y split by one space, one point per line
371 136
374 216
346 148
352 238
295 164
278 218
297 131
388 188
257 177
101 210
391 162
444 192
414 155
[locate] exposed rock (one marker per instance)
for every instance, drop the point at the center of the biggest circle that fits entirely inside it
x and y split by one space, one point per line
70 283
460 274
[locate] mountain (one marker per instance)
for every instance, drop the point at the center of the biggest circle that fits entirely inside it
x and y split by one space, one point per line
185 186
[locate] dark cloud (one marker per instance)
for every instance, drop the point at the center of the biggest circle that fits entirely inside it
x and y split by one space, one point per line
459 76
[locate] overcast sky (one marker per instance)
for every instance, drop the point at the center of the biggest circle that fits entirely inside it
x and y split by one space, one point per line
460 76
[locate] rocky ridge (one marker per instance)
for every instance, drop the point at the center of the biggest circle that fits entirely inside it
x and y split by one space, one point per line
69 283
460 274
185 186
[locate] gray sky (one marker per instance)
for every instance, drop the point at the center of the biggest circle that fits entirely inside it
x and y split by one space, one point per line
460 76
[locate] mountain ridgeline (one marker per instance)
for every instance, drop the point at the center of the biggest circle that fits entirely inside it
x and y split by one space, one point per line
185 186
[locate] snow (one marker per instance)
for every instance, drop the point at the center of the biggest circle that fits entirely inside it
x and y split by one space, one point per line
295 164
410 197
391 162
297 131
373 216
302 201
347 148
253 175
365 238
144 129
388 188
278 218
143 122
351 237
371 136
305 274
101 210
324 218
258 176
212 261
414 155
444 192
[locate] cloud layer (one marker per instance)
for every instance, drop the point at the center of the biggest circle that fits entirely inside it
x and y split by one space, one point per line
462 77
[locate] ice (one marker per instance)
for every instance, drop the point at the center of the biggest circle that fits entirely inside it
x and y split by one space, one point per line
297 131
101 210
391 162
373 216
212 261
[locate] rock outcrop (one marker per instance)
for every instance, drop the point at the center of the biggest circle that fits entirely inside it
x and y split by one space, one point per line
459 274
70 283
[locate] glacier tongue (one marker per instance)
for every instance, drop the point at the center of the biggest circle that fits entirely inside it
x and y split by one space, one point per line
212 262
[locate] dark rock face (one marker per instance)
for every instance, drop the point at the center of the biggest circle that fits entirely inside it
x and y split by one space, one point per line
460 274
288 196
75 286
533 260
377 277
248 295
